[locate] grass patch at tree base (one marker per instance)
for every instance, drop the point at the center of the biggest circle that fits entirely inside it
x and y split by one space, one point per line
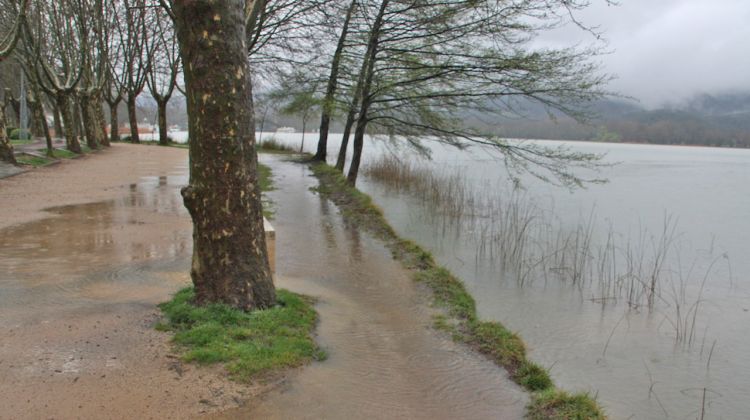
490 338
249 344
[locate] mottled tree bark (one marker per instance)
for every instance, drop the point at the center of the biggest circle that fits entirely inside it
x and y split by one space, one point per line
15 105
37 116
78 131
41 128
63 105
57 119
38 113
333 79
114 124
6 149
101 120
133 119
230 263
89 122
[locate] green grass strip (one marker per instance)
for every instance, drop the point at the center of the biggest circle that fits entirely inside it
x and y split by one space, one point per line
32 160
250 344
59 153
490 338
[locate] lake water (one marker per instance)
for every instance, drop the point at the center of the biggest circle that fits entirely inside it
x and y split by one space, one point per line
633 356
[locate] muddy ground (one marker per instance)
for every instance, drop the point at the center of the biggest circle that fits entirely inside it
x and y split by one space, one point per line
79 286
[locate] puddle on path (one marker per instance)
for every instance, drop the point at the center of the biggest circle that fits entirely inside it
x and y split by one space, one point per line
384 360
129 250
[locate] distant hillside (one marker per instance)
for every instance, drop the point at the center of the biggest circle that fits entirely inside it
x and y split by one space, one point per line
712 120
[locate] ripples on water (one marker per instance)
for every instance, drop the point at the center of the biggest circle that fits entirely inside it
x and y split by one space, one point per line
96 253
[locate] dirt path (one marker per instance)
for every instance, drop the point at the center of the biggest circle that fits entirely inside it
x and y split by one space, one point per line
104 175
79 285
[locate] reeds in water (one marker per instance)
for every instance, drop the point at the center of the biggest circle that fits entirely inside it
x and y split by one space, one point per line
529 242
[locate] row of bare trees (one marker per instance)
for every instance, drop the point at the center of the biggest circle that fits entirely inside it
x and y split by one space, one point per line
78 55
401 69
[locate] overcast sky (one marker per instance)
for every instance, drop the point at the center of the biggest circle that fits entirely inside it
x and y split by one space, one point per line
664 51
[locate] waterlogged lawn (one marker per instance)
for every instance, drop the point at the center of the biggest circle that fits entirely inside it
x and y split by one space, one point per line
249 344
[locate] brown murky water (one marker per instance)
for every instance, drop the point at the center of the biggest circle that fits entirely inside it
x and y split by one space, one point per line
384 360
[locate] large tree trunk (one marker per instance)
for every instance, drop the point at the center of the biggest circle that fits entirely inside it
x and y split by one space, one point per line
133 118
359 134
101 120
15 105
89 122
341 160
351 116
162 116
57 119
40 122
325 117
359 137
6 148
78 127
114 125
230 263
38 112
71 141
37 116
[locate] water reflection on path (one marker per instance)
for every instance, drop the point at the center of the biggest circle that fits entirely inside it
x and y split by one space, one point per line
384 361
96 254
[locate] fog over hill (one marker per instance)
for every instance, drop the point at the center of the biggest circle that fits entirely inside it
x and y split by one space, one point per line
713 120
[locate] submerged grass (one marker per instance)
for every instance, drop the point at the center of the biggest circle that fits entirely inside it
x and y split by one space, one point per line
271 145
561 405
489 338
248 343
265 181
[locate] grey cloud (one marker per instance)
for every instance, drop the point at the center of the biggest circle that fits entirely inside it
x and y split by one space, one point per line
668 50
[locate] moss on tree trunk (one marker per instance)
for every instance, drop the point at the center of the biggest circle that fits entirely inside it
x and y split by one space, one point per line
71 141
230 264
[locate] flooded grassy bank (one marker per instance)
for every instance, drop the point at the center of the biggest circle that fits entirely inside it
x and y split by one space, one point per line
490 338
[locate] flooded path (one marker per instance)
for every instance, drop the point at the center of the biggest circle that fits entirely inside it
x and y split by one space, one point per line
384 360
78 289
79 283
